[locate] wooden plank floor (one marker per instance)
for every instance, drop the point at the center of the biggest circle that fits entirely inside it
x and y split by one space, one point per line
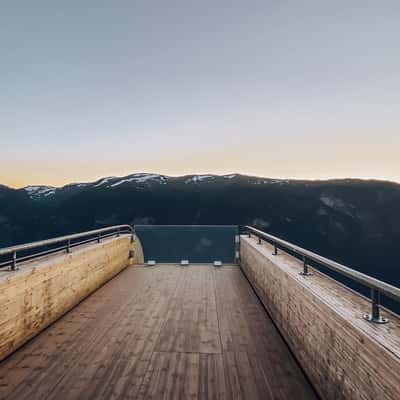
163 332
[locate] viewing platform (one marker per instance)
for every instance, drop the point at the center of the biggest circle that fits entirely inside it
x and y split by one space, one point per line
93 319
160 332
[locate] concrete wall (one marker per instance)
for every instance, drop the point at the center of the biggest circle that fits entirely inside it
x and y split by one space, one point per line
41 291
344 356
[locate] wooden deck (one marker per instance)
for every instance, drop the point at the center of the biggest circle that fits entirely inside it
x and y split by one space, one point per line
163 332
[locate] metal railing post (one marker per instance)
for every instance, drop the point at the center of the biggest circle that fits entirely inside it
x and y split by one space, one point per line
14 261
259 240
69 246
375 316
98 237
118 233
133 232
305 271
275 253
237 248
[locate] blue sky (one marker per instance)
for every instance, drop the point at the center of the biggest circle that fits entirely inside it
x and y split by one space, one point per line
281 89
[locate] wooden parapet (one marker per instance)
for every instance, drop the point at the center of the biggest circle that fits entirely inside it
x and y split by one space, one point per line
344 356
41 291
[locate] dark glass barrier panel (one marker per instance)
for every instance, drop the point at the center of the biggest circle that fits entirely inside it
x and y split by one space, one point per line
195 243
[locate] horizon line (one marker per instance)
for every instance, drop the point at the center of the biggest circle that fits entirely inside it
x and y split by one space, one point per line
321 179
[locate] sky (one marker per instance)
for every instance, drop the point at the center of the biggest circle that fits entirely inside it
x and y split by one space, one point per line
282 89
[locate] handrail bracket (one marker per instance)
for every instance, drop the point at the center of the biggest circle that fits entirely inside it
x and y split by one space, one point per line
375 316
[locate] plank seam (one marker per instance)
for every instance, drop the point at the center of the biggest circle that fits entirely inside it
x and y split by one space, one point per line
156 341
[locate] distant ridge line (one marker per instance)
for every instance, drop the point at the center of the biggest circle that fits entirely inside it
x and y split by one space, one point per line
197 178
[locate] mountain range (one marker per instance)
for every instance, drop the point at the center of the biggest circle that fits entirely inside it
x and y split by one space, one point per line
356 222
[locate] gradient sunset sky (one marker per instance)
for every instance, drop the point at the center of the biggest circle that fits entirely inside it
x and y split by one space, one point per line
299 89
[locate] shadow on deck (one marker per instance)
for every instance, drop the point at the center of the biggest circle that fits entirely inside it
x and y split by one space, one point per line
159 332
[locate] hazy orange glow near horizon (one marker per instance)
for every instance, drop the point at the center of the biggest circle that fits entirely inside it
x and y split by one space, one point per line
274 89
338 160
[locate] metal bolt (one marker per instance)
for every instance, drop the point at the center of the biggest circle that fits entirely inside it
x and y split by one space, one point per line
375 316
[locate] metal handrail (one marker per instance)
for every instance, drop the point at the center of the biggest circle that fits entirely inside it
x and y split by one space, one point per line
97 234
377 287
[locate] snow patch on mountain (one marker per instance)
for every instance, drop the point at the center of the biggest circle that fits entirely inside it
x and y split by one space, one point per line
230 176
121 182
141 178
337 204
149 177
198 178
75 185
104 180
262 181
332 202
261 223
35 192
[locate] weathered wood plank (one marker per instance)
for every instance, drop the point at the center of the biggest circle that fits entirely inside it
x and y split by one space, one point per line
258 361
191 322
